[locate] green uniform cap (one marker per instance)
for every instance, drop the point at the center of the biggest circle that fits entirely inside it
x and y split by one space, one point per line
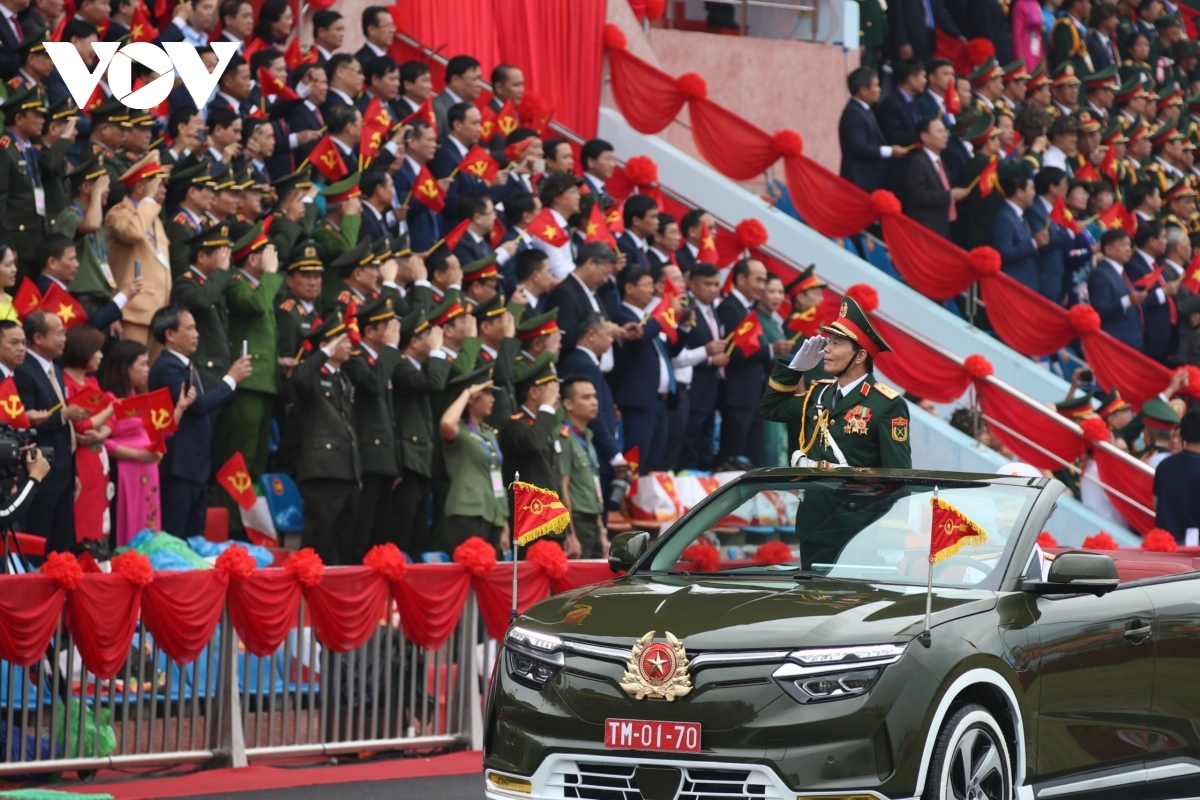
1076 408
491 308
29 99
854 324
807 280
360 255
412 324
541 325
64 109
1067 123
305 257
89 169
343 189
212 236
1167 21
542 372
401 247
1103 79
381 249
1159 414
328 329
472 378
182 179
112 110
376 311
297 180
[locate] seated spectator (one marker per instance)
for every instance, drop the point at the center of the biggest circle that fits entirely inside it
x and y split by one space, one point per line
865 151
1113 295
928 196
1177 486
1011 234
8 279
1050 187
1064 90
560 194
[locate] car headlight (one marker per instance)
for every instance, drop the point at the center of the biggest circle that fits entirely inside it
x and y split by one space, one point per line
814 675
533 659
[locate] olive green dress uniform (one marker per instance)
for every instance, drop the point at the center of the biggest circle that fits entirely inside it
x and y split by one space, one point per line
205 298
336 240
872 34
502 362
527 330
22 222
477 503
531 440
293 323
413 386
182 224
55 166
285 234
343 265
1067 43
375 424
94 284
329 469
581 467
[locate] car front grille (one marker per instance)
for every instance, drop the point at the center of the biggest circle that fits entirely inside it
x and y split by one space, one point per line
592 781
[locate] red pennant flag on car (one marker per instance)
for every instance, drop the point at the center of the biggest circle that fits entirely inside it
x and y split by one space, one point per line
546 228
746 334
1062 216
327 160
234 477
62 303
597 228
428 191
89 398
664 312
28 298
487 122
479 162
12 410
536 513
952 530
269 84
425 113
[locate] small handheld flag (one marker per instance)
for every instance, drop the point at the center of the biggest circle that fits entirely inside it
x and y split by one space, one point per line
234 477
12 410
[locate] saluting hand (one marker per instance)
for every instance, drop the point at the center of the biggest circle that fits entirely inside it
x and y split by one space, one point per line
810 354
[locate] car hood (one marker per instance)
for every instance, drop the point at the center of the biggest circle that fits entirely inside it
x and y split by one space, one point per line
744 612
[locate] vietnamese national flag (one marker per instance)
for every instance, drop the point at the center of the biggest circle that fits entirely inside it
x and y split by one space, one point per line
487 122
497 234
988 179
1062 216
664 312
1150 279
746 334
507 119
1087 173
953 104
327 159
455 236
427 190
1191 276
1108 166
28 298
597 228
234 477
68 309
1115 216
1188 15
951 531
546 228
536 513
708 246
295 55
956 51
479 162
252 47
424 113
141 28
270 85
89 398
12 410
634 459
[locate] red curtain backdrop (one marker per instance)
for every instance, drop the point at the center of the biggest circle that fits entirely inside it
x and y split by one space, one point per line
102 613
647 97
1024 320
918 368
431 600
347 606
1117 364
832 206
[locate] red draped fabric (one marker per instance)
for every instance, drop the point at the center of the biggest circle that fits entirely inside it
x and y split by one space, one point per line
1117 364
495 594
832 206
431 600
733 146
181 610
1133 479
1039 432
30 607
932 265
347 606
646 96
263 609
1023 319
918 368
102 612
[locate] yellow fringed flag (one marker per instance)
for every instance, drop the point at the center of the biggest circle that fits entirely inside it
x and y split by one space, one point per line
952 531
537 512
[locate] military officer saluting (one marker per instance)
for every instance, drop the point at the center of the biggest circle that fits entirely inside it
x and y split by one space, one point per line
295 317
22 194
200 289
847 420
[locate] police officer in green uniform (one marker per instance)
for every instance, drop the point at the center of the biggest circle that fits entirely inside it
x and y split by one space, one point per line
847 420
337 231
94 284
370 370
53 157
538 335
295 316
329 469
201 290
499 347
872 33
189 194
581 467
295 212
23 214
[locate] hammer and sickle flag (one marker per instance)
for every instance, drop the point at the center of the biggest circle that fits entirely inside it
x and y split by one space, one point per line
746 334
428 191
479 162
235 479
506 118
487 122
425 113
12 410
157 412
664 312
537 512
952 531
326 159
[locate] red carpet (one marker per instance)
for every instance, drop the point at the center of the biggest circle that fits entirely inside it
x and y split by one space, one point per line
263 777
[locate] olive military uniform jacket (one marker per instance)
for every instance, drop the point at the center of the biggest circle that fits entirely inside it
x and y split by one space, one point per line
180 227
20 225
334 242
412 389
293 323
502 377
531 446
328 448
374 413
252 320
581 466
205 298
870 425
470 460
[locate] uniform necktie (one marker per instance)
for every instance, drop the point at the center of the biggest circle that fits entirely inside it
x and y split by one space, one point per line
941 171
666 360
58 392
195 376
1129 285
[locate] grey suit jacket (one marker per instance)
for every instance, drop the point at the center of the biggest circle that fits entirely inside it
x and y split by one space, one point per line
441 108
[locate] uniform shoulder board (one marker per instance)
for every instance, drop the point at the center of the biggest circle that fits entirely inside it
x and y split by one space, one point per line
565 431
238 276
827 380
352 352
5 141
287 305
886 391
15 83
187 275
344 297
180 219
517 415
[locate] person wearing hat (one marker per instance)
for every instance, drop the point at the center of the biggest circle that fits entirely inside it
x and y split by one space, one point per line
421 374
370 369
1064 90
1129 102
23 213
137 240
35 64
847 420
981 173
200 290
481 281
139 136
189 197
1180 208
498 347
1167 166
1168 104
1137 152
531 439
227 198
52 147
987 86
1100 88
94 284
1160 421
1115 411
1068 40
329 469
477 497
1037 91
360 274
1016 84
295 212
297 312
538 335
1168 30
806 294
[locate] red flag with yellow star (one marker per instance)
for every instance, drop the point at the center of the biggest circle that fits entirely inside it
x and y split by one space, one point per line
67 308
1116 216
28 298
234 477
327 160
1062 216
952 530
498 232
597 228
708 246
536 513
428 191
546 228
141 29
89 398
12 410
1191 276
295 55
479 162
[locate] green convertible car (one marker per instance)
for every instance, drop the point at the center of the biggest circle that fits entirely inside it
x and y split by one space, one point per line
1075 676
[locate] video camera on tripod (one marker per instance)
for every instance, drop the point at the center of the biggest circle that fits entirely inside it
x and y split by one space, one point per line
17 450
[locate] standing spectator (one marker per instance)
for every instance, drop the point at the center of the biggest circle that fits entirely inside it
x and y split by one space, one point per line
1050 186
462 86
1064 143
134 233
477 503
1068 40
1011 235
594 339
424 224
773 451
329 31
588 288
599 161
704 286
911 26
81 356
1158 310
666 242
581 467
741 425
12 348
1113 295
928 196
476 245
932 102
58 263
1028 32
8 279
640 214
1102 38
378 28
694 226
1177 485
560 194
865 151
534 281
898 113
1079 257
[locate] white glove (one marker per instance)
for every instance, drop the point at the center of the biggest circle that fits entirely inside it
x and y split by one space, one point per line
810 354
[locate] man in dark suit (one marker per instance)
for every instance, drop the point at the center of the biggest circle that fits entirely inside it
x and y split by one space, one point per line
641 224
462 86
704 285
379 29
898 113
40 384
416 86
378 194
865 151
307 115
1102 37
938 81
58 263
1051 183
1158 310
329 33
594 338
1112 293
1011 235
187 466
911 24
599 161
928 196
475 244
741 426
519 210
464 123
425 226
579 293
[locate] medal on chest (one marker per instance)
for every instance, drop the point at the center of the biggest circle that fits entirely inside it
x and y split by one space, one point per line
856 420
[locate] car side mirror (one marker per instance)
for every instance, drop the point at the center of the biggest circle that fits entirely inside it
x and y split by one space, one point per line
1077 573
626 548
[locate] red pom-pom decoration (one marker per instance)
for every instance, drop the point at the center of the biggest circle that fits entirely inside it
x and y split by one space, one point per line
655 9
787 143
387 560
704 557
750 233
1095 430
641 171
1159 541
1046 540
306 565
865 295
1101 541
1084 319
984 260
978 367
477 556
774 553
614 37
64 569
533 106
550 557
134 567
886 204
980 50
692 86
236 563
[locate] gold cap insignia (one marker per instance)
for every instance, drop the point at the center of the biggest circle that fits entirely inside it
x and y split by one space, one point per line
657 670
845 309
310 252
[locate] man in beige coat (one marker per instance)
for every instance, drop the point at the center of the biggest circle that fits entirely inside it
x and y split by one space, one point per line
135 234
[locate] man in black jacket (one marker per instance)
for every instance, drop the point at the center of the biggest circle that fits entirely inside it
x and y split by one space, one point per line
865 151
911 24
898 115
928 196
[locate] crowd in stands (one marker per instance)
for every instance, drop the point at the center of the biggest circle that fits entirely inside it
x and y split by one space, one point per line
401 298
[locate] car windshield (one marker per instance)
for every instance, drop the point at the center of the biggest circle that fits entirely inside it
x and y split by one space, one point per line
857 528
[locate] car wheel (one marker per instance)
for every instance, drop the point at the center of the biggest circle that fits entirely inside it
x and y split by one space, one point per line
971 760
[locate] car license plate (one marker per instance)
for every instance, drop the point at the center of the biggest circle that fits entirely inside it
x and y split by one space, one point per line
636 734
